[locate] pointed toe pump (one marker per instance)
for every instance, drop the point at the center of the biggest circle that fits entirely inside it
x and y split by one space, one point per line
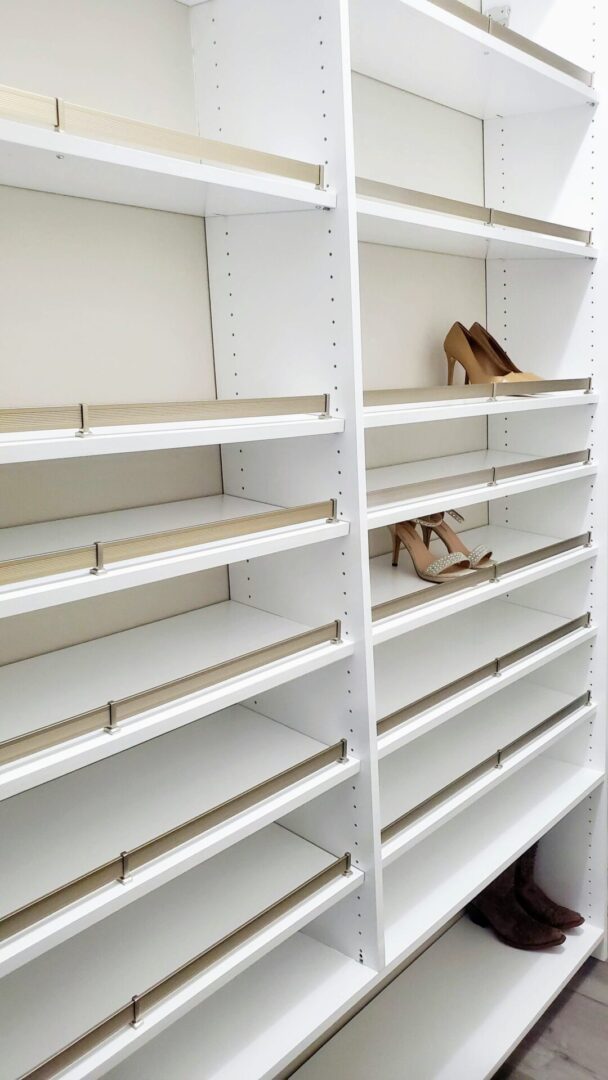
479 558
498 907
483 359
536 902
445 568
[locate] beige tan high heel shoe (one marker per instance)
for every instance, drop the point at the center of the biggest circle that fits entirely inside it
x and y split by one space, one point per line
445 568
479 558
483 359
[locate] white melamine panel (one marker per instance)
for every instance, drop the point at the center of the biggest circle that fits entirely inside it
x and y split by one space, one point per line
564 344
540 165
260 72
281 1004
435 655
131 951
271 294
486 996
408 141
439 56
131 57
435 468
570 30
439 876
417 772
562 511
409 301
543 436
120 302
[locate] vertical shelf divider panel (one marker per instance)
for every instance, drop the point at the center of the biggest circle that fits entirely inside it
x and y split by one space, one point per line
284 299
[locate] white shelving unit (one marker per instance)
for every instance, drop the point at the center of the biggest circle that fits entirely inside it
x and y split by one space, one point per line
251 773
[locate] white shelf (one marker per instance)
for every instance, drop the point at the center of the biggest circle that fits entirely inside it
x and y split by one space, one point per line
46 1007
392 583
417 46
457 466
61 535
47 160
395 225
442 874
486 995
55 445
460 408
439 654
282 1003
215 760
47 689
427 766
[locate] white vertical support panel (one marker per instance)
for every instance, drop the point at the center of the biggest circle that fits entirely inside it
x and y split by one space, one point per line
284 296
548 317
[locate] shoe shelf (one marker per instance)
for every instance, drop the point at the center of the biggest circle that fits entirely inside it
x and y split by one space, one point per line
59 561
438 776
441 874
401 600
390 408
48 144
136 977
468 976
282 1002
399 217
399 728
75 431
114 851
413 489
445 51
69 708
438 663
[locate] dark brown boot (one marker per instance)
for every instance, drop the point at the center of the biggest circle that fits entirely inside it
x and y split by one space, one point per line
497 906
535 901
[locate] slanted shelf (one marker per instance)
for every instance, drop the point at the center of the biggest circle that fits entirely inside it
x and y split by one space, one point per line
282 1002
415 405
223 916
440 774
451 656
405 491
446 51
399 217
52 145
56 432
518 557
69 708
467 976
441 874
236 771
58 561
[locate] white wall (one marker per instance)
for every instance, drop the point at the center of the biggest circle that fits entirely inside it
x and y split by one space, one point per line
130 57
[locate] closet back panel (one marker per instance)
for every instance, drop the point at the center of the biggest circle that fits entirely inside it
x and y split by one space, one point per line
560 25
59 627
101 303
129 57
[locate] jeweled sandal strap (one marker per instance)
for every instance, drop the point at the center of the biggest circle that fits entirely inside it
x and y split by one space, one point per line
455 558
479 553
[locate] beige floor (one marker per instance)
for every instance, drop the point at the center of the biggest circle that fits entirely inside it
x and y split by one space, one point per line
571 1041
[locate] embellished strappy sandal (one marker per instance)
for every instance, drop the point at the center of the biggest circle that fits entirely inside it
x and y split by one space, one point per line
479 558
429 568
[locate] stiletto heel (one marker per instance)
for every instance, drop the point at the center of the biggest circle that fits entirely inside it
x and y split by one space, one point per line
480 557
483 359
396 546
429 568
